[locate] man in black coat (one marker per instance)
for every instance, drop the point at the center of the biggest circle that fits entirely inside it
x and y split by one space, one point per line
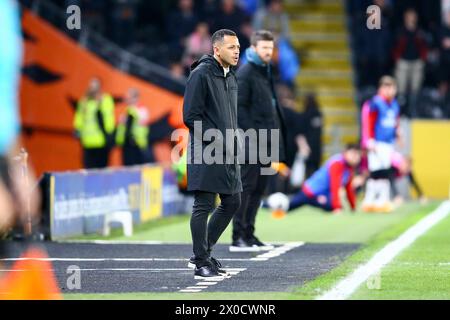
210 112
258 108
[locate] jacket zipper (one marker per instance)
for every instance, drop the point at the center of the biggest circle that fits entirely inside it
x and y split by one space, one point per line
232 123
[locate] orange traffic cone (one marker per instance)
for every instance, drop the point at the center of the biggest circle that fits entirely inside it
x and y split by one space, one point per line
30 279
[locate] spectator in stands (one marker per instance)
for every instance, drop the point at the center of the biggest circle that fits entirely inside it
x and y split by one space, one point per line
94 125
245 34
313 121
197 44
373 45
250 6
445 56
410 54
180 24
273 18
229 16
177 70
287 61
124 18
93 14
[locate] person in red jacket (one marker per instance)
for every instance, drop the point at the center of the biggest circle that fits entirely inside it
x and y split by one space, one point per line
323 187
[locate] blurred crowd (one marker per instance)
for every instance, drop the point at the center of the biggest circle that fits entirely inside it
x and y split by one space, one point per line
175 33
412 44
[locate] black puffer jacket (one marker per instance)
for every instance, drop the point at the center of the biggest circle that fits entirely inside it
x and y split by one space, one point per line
211 98
258 106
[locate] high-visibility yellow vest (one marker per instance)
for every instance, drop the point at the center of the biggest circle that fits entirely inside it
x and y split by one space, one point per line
180 168
86 121
139 127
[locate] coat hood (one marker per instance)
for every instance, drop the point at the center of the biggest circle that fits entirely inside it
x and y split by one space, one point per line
211 63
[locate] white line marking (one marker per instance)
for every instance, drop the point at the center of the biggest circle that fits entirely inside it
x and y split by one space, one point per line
108 269
190 290
281 243
277 251
349 284
113 259
210 283
197 287
117 242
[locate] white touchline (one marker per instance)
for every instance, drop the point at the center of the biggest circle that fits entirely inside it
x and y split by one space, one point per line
107 269
348 285
111 259
275 252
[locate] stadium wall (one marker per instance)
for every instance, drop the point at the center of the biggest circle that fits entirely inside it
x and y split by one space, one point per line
79 200
431 156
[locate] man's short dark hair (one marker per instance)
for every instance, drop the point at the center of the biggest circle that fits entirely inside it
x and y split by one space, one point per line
387 81
220 34
353 146
261 35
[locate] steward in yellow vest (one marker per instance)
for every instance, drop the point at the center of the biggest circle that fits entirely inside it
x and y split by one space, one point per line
94 125
133 131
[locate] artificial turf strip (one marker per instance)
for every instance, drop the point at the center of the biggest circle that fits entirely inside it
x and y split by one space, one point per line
304 224
181 296
325 282
421 272
410 214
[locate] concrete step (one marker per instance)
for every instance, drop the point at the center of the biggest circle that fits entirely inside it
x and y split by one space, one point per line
324 82
317 17
303 7
327 91
318 26
329 54
334 102
330 120
323 45
303 35
323 65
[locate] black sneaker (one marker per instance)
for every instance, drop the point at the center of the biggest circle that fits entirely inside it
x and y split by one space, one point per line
261 245
207 272
241 245
216 264
191 263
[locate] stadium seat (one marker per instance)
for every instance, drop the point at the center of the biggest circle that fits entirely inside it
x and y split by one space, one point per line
123 217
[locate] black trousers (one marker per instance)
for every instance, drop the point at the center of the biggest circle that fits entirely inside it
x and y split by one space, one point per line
205 234
253 185
95 158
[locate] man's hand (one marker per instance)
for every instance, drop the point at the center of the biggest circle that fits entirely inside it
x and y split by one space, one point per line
6 208
303 146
